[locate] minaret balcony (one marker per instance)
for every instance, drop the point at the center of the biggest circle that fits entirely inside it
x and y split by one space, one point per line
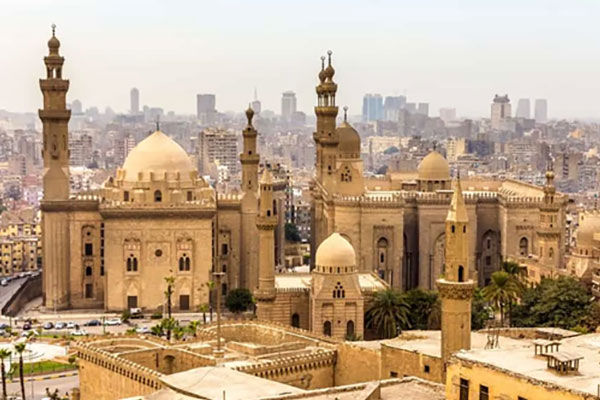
54 114
54 85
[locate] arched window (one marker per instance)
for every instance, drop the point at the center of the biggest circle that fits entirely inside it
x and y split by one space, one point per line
181 261
295 320
346 175
453 228
157 196
88 271
135 263
274 207
188 264
551 253
327 328
350 329
338 291
129 264
524 247
461 273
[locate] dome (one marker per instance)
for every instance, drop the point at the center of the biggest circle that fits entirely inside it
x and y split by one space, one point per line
53 43
589 224
434 167
335 251
159 154
349 139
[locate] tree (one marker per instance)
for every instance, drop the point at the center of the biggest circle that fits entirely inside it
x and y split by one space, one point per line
517 274
388 314
291 233
20 348
501 291
193 327
239 300
167 325
4 354
421 304
203 308
391 150
382 170
479 310
157 330
561 302
170 281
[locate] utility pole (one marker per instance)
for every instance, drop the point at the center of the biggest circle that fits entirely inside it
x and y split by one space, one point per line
218 275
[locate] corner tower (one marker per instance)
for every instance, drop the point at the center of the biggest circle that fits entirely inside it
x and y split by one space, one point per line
326 137
55 118
549 233
55 204
266 222
456 287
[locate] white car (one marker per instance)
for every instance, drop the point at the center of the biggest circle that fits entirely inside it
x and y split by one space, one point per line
80 332
113 322
4 282
143 330
70 325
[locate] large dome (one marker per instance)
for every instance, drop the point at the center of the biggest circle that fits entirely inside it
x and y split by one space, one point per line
589 224
335 251
158 154
349 140
434 167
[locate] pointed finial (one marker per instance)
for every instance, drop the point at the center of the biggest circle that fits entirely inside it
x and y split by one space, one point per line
249 114
329 53
322 63
53 29
345 113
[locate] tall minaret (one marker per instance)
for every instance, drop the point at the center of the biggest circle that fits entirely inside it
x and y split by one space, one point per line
266 222
55 118
456 287
55 204
325 137
549 233
249 158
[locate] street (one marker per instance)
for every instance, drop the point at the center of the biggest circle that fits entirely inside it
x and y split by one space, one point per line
38 388
7 291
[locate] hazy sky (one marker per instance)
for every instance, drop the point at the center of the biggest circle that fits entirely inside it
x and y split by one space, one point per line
450 53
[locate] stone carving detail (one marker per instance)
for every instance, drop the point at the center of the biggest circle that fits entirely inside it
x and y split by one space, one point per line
455 290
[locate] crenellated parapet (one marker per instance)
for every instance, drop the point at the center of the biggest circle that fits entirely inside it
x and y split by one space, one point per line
285 366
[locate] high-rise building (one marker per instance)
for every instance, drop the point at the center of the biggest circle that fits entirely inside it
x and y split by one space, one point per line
206 108
448 114
411 108
76 107
372 107
423 109
288 105
256 106
134 101
392 107
523 109
218 147
541 110
500 111
80 149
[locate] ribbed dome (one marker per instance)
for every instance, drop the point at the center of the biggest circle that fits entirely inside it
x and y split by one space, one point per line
349 139
588 225
157 153
434 167
335 251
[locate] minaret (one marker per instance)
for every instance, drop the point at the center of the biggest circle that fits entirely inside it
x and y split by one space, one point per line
249 158
55 204
55 118
266 222
456 286
325 136
549 233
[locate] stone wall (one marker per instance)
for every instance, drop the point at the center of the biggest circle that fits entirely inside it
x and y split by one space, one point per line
401 363
168 361
356 364
27 292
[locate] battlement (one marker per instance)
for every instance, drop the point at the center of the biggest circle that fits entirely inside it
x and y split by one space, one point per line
288 365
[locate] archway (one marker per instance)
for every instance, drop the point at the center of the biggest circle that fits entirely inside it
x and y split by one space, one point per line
327 328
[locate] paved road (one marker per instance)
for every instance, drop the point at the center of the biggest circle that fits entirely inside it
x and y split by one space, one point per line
38 388
7 291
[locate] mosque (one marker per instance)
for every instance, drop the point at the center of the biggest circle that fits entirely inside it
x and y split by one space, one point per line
156 217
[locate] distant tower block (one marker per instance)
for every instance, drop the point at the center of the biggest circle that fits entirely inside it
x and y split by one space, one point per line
134 98
456 287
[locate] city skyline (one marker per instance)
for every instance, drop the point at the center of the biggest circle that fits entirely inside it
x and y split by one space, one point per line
445 55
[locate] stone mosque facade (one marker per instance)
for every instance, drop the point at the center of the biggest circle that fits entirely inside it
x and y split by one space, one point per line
111 249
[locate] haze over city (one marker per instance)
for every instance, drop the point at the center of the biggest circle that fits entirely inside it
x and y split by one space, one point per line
448 53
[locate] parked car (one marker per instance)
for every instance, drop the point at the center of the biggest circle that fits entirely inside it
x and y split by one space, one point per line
29 333
71 325
79 332
48 325
27 326
4 325
136 313
93 322
4 282
143 330
60 325
113 322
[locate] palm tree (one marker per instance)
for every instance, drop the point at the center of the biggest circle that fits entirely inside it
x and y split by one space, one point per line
20 348
4 354
501 291
168 324
170 280
388 314
203 308
193 327
157 330
518 275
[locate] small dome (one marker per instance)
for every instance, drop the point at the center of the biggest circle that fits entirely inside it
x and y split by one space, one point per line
335 251
53 43
434 167
349 139
159 154
589 224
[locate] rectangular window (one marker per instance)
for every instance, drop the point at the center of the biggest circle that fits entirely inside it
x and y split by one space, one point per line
132 302
426 369
464 389
89 291
393 374
224 249
488 261
126 195
89 249
184 302
484 392
189 196
521 398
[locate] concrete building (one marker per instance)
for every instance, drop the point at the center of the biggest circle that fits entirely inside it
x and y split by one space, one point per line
218 147
372 108
206 110
80 150
500 111
392 106
448 114
288 105
134 101
541 110
523 109
423 109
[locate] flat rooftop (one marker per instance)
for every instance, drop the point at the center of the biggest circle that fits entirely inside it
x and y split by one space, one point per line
522 361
